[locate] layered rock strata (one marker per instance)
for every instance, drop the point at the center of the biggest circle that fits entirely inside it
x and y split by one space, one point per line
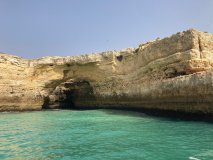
173 73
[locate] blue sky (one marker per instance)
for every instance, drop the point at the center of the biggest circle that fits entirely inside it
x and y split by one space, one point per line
36 28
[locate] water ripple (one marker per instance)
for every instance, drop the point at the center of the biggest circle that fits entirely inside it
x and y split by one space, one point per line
88 135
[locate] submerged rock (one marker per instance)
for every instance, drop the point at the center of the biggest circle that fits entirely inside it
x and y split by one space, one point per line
173 73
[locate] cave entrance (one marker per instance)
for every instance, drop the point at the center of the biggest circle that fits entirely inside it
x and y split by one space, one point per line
70 95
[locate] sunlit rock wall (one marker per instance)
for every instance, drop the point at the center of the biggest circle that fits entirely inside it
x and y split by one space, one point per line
173 73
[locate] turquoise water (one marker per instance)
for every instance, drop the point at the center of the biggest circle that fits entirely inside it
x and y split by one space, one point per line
102 134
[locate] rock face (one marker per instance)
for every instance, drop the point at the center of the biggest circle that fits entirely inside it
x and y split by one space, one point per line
174 73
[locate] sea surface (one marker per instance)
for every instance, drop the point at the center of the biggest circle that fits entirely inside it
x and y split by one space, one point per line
102 135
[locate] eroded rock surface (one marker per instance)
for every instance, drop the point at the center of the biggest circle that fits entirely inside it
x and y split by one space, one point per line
174 73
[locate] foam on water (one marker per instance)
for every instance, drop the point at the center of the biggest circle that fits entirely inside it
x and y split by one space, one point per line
193 158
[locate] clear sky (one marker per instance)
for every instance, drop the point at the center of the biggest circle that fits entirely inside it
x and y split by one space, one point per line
36 28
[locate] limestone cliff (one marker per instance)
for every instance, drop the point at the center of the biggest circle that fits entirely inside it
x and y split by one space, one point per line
174 73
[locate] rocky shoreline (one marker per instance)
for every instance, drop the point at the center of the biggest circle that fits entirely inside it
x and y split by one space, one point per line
170 74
